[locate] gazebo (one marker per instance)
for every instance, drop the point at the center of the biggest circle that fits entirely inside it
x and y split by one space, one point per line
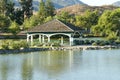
51 28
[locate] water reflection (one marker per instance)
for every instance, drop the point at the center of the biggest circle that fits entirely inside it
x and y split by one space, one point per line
27 68
61 65
41 65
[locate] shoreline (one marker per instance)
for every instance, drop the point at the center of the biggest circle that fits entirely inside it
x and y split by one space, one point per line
84 47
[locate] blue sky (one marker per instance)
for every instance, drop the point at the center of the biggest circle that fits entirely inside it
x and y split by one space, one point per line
98 2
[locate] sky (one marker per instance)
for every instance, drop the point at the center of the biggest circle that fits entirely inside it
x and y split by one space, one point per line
98 2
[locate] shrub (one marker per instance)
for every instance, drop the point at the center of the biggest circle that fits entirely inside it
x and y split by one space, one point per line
5 45
15 45
76 42
56 44
92 41
18 45
102 43
81 42
23 44
94 44
87 42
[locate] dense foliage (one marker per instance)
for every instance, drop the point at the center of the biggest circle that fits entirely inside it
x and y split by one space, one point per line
99 24
108 25
11 44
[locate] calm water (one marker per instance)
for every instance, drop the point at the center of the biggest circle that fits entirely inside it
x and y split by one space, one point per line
61 65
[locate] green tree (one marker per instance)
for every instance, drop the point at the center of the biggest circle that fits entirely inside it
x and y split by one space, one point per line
108 24
10 9
64 16
50 8
87 20
31 22
48 19
27 7
4 23
42 10
14 28
18 16
3 6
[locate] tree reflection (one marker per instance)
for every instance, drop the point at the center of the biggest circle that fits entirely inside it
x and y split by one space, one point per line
27 69
4 70
56 62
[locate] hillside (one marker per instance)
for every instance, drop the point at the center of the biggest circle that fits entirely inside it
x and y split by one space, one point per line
80 9
57 3
117 3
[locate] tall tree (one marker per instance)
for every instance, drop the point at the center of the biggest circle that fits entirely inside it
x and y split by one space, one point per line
5 11
4 23
64 16
27 7
42 9
88 19
14 28
18 16
10 9
108 24
3 6
50 8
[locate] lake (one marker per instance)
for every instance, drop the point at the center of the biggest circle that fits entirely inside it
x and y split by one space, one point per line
61 65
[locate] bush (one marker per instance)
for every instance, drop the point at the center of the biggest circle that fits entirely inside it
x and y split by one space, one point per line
92 41
94 44
5 45
15 45
81 42
87 42
23 44
76 42
102 43
56 44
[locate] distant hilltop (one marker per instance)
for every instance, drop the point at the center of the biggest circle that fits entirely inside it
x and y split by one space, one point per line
117 3
57 3
80 9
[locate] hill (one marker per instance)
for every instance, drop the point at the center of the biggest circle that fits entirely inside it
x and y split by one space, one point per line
80 9
57 3
117 3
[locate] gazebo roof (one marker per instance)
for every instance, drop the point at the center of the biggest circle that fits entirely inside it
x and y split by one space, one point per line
55 26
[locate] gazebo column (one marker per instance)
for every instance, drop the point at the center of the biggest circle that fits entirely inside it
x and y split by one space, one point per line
61 40
28 37
48 38
31 40
43 38
40 38
71 40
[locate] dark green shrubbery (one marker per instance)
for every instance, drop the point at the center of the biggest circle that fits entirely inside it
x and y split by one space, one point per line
14 44
56 44
23 44
5 45
18 45
96 43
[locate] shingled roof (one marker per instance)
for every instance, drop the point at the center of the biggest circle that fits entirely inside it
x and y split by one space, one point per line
54 26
